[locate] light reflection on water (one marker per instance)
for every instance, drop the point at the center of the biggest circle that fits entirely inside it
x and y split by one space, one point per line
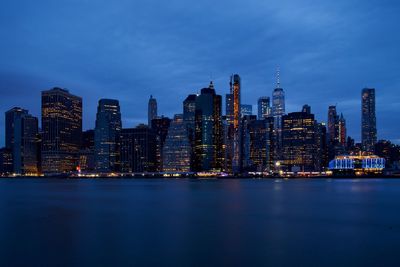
103 222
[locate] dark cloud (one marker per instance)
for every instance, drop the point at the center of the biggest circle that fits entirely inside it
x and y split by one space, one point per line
328 51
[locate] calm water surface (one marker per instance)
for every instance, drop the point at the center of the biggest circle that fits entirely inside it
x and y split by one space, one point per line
106 222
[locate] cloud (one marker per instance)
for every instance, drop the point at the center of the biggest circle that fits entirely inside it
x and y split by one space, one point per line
328 51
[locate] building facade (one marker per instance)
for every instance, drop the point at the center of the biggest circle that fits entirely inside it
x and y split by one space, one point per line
177 148
368 119
106 136
61 130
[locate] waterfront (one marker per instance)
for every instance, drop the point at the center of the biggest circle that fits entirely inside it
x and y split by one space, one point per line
188 222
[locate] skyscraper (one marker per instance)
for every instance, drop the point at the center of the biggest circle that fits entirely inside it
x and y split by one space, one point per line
189 109
237 145
368 119
333 126
208 137
342 131
228 130
264 109
177 148
106 135
21 139
152 110
86 154
261 144
144 157
278 110
299 142
61 130
160 127
14 136
138 149
321 160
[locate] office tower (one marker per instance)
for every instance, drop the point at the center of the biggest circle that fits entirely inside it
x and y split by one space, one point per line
6 163
299 142
177 148
368 119
86 154
61 130
245 141
152 110
321 159
127 149
208 136
138 149
189 108
237 146
160 127
334 146
106 135
264 109
278 110
246 110
342 131
261 145
144 157
228 130
21 139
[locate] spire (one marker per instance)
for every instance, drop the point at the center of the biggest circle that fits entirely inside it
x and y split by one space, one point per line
278 77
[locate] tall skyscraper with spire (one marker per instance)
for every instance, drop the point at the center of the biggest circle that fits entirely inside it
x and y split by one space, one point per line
208 136
278 110
152 110
368 119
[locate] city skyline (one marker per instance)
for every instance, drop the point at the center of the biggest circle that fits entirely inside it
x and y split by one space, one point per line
327 53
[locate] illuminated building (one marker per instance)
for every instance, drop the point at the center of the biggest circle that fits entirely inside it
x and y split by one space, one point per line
246 110
21 139
321 159
208 131
138 149
152 110
86 154
261 145
245 135
357 165
61 130
106 135
299 142
228 130
144 158
177 149
189 109
368 119
389 151
264 109
336 131
342 131
237 145
6 163
160 127
278 110
127 150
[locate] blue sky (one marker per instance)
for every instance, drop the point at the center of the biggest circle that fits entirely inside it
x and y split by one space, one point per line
327 51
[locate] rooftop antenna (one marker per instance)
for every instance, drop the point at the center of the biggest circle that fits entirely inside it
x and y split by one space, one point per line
278 77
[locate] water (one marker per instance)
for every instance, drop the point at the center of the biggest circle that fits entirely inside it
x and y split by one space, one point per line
107 222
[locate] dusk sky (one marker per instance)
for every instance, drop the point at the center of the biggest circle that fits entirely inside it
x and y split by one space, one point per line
327 52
